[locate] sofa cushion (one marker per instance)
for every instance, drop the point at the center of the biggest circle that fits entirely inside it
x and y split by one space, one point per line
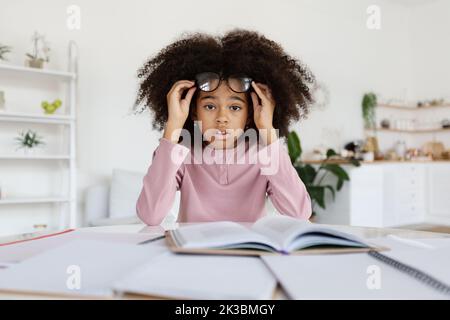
125 189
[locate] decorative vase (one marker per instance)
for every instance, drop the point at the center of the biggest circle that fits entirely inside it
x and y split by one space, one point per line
369 156
400 149
385 124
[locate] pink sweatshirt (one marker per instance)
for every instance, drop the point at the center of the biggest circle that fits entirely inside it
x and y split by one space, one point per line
227 185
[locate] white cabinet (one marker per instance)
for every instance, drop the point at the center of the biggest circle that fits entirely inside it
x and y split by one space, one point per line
404 194
439 193
366 196
392 194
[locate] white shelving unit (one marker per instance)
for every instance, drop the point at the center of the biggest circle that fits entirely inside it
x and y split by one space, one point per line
69 120
412 110
35 118
33 200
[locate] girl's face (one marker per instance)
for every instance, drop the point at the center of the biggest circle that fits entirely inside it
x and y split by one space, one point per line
223 114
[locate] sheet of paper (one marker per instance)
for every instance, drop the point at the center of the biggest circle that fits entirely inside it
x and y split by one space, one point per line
202 277
396 242
346 276
79 267
18 252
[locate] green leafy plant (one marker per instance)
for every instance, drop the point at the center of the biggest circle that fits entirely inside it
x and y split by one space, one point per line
313 177
369 102
50 108
4 50
29 140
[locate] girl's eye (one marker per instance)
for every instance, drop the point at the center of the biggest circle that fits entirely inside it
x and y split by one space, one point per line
209 107
235 108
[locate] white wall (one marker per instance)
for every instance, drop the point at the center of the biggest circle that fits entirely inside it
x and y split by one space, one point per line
430 38
116 37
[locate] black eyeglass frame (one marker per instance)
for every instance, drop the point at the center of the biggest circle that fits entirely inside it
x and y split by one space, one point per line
247 81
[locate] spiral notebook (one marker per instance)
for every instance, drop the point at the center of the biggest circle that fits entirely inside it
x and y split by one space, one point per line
416 273
397 274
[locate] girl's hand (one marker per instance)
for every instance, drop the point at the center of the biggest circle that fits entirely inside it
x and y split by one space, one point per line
263 111
179 108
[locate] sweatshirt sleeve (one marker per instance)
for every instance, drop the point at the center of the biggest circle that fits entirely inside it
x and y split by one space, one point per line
162 180
285 188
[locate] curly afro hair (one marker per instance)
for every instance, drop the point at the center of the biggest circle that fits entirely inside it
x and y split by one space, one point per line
237 52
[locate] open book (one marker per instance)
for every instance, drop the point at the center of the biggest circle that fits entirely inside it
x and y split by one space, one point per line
269 235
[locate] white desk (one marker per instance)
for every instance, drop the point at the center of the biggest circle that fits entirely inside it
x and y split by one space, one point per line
278 294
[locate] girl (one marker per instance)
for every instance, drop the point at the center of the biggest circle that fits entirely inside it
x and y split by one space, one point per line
223 88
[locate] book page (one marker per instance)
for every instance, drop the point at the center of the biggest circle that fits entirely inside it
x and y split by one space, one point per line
315 234
281 229
222 234
292 234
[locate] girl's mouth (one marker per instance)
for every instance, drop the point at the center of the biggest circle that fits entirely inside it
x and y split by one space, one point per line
222 135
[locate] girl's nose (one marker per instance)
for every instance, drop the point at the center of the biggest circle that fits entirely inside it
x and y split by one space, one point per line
222 117
222 120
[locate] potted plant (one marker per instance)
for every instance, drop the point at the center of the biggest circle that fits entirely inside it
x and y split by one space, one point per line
4 50
29 140
313 177
369 102
40 53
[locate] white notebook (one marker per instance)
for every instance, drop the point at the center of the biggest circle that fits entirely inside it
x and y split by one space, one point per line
108 268
201 277
99 264
360 276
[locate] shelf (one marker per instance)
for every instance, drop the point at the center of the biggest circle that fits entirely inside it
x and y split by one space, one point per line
40 72
31 200
412 108
411 131
35 118
33 157
66 81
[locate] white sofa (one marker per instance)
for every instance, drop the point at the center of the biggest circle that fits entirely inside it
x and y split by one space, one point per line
115 203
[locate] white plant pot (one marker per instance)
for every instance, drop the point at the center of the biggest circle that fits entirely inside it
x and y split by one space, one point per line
29 151
35 63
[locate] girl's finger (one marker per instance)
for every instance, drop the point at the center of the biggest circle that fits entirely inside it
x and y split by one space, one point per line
255 101
189 94
266 89
258 91
177 86
184 84
266 92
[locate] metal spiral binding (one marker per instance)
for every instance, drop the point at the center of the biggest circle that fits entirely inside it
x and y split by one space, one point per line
416 273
